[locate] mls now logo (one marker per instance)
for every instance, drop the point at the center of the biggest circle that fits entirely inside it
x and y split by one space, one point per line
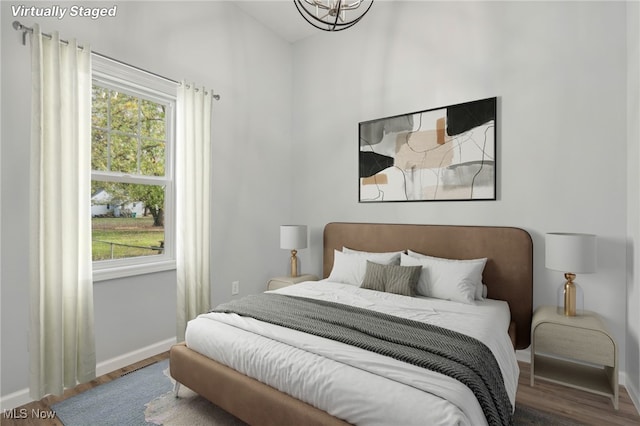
23 413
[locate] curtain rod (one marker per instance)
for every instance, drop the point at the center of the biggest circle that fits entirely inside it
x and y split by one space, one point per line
18 26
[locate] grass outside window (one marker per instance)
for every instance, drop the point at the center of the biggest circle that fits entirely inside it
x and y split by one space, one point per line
123 237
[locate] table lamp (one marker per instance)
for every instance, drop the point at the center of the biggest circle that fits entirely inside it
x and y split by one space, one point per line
571 254
293 237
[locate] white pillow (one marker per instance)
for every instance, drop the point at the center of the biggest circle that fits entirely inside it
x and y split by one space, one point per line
349 268
447 279
480 292
393 254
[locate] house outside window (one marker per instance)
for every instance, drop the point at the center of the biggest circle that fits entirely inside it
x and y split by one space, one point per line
132 187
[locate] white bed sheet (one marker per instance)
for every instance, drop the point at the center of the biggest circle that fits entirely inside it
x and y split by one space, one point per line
356 385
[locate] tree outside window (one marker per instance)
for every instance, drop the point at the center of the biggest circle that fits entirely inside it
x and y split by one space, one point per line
129 173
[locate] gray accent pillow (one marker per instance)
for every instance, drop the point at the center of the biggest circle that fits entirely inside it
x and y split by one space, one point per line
392 278
374 277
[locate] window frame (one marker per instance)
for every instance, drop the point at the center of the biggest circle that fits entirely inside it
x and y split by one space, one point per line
113 75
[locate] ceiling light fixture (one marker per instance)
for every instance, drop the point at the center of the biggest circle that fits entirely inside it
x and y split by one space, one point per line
331 15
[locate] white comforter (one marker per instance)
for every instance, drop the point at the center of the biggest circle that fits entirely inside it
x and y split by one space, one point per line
353 384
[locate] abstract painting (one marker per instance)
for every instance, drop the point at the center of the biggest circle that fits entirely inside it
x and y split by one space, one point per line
440 154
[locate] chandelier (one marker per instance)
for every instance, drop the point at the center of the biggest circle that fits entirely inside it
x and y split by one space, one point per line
333 15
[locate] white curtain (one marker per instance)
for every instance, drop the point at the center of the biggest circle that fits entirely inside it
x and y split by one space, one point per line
61 340
193 175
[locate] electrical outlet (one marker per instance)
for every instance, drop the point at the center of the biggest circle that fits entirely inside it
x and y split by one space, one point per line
235 287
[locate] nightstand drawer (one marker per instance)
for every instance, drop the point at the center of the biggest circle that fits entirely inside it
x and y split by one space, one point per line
577 343
279 282
275 284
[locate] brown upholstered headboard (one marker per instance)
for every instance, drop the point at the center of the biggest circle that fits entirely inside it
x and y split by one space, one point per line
508 273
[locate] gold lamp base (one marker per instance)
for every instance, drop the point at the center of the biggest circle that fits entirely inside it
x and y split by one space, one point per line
570 295
294 263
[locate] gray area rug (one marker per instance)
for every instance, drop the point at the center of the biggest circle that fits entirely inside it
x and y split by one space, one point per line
142 397
145 397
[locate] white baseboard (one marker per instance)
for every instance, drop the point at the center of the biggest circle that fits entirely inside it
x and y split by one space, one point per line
524 355
21 397
132 357
633 394
15 399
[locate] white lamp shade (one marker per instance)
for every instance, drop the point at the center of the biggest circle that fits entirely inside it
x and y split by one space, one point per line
575 253
293 237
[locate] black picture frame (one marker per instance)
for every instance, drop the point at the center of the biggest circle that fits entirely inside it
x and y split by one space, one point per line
439 154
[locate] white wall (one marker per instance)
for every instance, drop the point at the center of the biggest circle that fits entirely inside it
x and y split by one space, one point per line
559 72
213 44
633 190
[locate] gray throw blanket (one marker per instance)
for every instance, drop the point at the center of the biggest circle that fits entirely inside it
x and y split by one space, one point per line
447 352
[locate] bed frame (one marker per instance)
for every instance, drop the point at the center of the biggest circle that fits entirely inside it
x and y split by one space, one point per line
508 275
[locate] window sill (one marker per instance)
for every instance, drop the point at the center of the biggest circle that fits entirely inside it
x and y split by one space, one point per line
132 270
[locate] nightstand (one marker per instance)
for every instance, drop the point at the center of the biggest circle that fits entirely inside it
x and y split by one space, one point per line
574 351
279 282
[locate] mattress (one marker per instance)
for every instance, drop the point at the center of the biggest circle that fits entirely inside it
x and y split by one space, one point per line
353 384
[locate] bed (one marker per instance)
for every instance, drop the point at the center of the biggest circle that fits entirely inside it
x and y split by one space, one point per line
507 274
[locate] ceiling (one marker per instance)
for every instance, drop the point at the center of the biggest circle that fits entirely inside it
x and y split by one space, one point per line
280 16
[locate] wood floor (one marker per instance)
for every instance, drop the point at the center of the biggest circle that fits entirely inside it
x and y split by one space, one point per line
43 409
580 406
577 405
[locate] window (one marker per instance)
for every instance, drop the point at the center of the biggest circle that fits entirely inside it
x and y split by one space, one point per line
132 203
